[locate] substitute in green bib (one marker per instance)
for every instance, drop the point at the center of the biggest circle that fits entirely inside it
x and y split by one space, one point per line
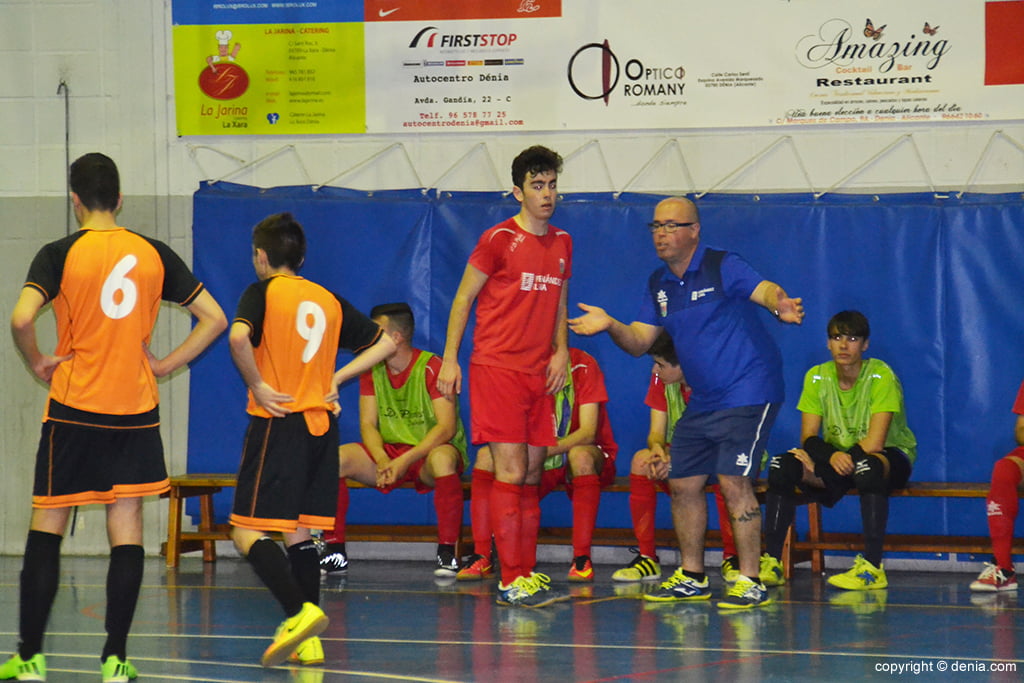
410 432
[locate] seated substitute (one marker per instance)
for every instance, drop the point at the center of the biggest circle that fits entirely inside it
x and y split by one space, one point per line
583 461
410 433
667 395
857 404
1002 506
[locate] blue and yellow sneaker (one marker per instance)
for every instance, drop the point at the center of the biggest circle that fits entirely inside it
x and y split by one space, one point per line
680 587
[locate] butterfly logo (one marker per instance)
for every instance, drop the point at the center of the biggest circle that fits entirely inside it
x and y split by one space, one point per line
871 32
929 30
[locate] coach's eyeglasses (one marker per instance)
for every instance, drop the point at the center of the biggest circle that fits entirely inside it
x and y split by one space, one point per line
669 226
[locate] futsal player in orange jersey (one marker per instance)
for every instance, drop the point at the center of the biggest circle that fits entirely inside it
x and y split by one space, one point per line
100 440
284 340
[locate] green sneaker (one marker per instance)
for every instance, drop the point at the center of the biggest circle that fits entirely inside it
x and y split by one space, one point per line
116 671
32 670
771 572
731 569
862 576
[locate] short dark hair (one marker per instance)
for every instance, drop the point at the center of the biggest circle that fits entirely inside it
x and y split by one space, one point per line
283 240
399 314
852 323
534 160
664 347
94 178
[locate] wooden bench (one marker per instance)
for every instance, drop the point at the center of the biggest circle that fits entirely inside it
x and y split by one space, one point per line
818 540
207 533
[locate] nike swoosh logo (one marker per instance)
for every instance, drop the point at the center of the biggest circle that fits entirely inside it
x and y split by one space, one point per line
385 12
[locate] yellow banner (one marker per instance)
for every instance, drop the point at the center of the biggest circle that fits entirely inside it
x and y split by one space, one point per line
269 79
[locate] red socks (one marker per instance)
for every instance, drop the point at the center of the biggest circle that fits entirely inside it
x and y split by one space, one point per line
448 506
507 522
480 511
1002 506
338 534
642 504
586 495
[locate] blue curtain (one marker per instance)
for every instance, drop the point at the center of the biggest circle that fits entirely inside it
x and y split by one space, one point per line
937 278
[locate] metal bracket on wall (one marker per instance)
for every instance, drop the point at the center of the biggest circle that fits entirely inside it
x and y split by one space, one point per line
600 154
977 166
761 155
672 143
436 185
370 161
249 164
891 146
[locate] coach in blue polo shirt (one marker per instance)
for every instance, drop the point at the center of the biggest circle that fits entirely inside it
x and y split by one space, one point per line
707 300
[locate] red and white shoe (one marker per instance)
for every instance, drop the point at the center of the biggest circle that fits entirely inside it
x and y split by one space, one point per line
995 579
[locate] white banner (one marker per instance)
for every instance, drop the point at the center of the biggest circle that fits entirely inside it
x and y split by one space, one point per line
650 64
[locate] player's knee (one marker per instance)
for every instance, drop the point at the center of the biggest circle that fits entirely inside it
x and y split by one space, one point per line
442 461
869 475
785 472
581 461
638 465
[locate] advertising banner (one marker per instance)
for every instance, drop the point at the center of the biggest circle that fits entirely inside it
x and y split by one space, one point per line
397 66
268 68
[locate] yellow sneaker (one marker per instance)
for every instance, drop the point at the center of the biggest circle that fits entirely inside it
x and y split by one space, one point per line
310 621
309 652
771 572
862 576
731 569
116 670
32 670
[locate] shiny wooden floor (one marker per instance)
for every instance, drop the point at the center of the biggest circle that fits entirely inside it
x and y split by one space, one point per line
395 622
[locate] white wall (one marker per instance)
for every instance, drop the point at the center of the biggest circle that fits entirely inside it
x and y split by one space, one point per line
114 56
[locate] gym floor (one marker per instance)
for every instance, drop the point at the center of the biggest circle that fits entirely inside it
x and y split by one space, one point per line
394 621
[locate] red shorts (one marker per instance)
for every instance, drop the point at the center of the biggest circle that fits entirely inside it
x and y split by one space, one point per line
559 476
510 407
412 474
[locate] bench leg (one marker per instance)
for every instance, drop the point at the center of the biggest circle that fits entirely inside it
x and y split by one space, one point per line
206 524
814 536
173 528
787 553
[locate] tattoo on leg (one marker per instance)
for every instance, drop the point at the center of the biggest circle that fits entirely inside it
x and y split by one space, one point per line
750 515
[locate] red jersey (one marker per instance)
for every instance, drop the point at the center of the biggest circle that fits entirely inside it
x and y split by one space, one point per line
1018 405
399 380
588 387
106 287
655 399
517 307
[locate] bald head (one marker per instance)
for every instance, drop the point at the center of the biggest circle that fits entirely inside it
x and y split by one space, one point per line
679 206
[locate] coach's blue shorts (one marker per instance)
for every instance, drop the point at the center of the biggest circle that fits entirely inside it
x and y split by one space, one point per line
728 441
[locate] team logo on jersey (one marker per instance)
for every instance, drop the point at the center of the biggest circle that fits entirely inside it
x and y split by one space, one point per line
742 460
663 302
700 293
526 282
994 509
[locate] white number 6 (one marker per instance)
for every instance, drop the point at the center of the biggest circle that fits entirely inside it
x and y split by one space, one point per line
310 330
118 281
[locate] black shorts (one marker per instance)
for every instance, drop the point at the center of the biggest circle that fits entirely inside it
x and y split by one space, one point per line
82 465
288 477
837 486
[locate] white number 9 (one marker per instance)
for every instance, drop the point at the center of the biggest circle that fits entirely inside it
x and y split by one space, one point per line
310 323
118 281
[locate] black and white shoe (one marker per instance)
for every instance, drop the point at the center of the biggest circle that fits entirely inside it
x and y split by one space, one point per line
447 563
333 559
